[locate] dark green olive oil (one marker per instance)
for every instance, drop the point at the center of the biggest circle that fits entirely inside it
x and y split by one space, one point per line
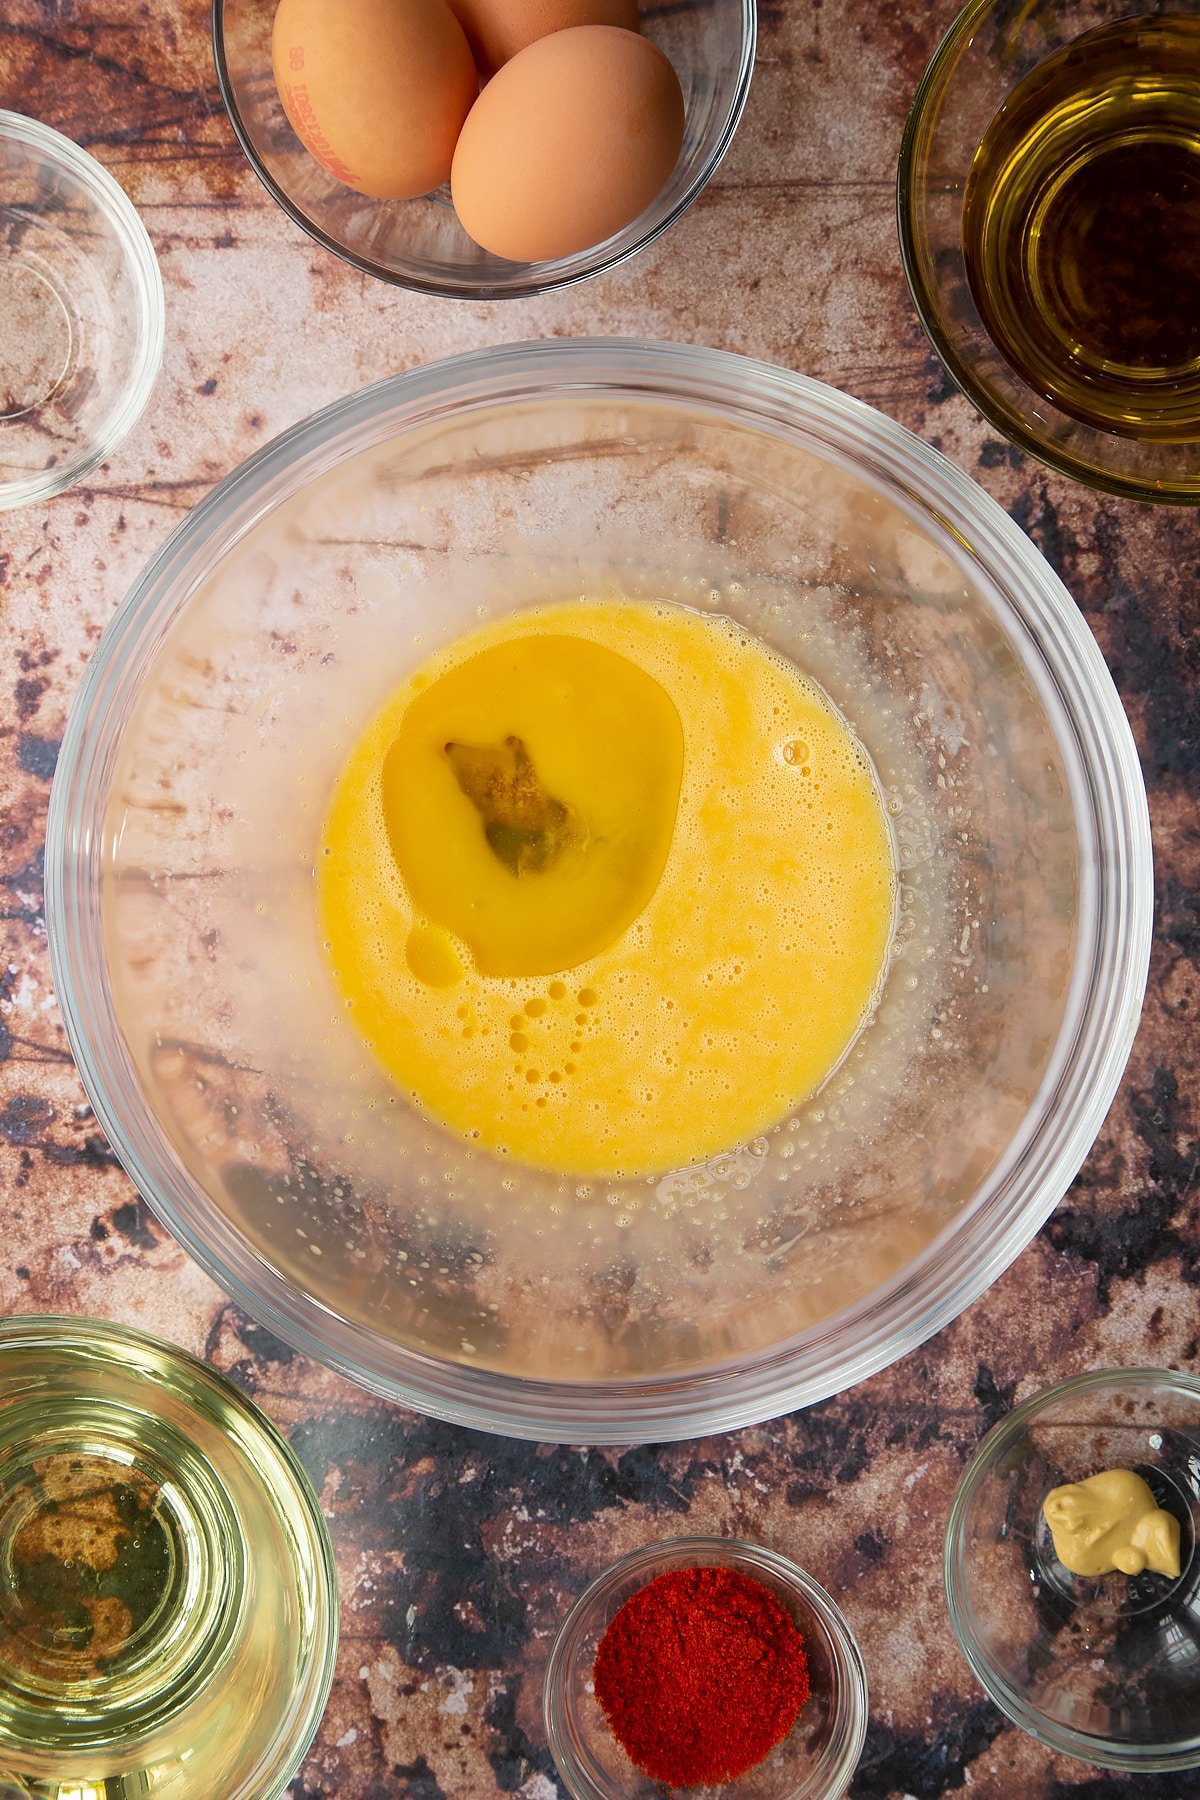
1081 228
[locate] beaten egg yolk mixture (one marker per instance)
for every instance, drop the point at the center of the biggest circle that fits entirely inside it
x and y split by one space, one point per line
607 887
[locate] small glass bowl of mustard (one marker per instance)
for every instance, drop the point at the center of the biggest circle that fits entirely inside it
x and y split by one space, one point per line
1105 1668
817 1758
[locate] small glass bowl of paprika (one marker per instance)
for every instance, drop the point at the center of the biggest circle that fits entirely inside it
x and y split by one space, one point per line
735 1674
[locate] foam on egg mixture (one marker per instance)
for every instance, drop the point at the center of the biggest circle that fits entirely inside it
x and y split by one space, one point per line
608 887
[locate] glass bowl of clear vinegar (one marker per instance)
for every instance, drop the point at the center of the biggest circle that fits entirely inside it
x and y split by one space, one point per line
1049 211
168 1601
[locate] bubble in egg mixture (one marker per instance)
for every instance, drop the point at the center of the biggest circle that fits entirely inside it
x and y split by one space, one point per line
641 854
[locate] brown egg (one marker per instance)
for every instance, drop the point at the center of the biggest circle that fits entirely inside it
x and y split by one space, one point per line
568 143
497 29
376 90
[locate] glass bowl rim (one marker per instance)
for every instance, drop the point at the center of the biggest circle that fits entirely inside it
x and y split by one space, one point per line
722 1552
1095 1039
111 200
1084 1745
532 285
1148 489
92 1336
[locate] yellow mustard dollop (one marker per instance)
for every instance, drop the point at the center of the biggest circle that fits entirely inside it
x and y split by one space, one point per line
1111 1521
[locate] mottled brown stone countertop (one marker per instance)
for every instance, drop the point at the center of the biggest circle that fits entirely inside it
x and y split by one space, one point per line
448 1608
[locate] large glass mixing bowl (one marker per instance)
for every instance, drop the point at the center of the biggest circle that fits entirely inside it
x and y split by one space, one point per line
196 772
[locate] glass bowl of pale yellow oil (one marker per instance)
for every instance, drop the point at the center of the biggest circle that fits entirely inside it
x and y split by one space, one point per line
168 1596
601 888
1049 210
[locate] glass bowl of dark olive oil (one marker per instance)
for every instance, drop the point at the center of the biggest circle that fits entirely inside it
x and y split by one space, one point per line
1049 208
814 1760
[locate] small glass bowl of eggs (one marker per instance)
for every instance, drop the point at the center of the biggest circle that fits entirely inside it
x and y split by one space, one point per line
511 146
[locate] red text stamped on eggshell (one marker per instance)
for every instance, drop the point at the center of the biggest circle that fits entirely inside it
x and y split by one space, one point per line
296 56
300 111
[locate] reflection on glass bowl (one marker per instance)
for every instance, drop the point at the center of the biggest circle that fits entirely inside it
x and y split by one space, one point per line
194 781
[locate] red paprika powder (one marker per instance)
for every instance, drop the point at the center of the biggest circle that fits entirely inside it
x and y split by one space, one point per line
700 1674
